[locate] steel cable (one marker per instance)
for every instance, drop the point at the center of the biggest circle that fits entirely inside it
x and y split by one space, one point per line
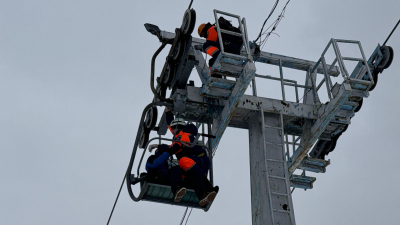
391 32
116 200
270 14
184 214
188 215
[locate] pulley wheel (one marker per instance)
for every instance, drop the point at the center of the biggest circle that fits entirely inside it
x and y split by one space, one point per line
344 130
387 59
144 138
151 118
161 90
168 75
375 76
189 21
178 50
332 145
359 105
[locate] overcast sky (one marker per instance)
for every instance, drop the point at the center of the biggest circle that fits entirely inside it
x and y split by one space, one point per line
74 79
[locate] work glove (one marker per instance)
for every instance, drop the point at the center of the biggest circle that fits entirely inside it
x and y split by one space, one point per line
198 47
153 146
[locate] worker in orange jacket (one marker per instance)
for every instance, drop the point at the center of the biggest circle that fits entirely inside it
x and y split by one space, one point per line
212 46
193 162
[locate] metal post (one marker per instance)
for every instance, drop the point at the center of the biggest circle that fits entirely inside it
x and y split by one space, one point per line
342 67
327 79
282 85
253 82
219 32
210 153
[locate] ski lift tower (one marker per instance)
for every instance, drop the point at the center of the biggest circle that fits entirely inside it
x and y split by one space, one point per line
284 136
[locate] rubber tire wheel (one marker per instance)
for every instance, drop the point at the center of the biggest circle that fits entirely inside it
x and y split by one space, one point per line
387 59
333 144
168 75
359 105
178 50
188 21
151 118
144 138
375 76
344 130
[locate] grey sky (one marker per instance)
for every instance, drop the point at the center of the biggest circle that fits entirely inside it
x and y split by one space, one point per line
75 79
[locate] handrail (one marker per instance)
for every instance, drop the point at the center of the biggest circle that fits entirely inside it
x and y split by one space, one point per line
153 59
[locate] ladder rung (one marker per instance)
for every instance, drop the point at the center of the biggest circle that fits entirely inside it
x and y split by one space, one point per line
278 128
273 160
353 59
273 143
283 178
275 193
231 32
282 211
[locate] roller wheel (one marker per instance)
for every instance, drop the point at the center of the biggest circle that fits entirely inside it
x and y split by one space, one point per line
168 75
332 146
344 130
151 118
387 59
144 138
375 76
189 21
178 50
162 91
359 105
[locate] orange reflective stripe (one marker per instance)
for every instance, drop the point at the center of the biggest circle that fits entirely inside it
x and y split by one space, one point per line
211 50
170 129
185 137
212 34
186 163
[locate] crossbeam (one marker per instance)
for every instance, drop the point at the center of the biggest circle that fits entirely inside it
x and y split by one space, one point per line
326 114
270 58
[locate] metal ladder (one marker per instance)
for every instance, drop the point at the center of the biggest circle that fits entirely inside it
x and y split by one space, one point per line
278 183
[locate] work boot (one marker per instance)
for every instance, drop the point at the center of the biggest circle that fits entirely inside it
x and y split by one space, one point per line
216 189
207 197
179 194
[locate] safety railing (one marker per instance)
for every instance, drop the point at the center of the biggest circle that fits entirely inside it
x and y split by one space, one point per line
339 59
291 145
284 82
243 34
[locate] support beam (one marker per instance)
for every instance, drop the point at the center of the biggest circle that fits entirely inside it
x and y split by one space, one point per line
310 135
271 200
248 103
220 124
293 63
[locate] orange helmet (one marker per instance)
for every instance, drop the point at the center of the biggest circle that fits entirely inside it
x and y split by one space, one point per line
201 27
